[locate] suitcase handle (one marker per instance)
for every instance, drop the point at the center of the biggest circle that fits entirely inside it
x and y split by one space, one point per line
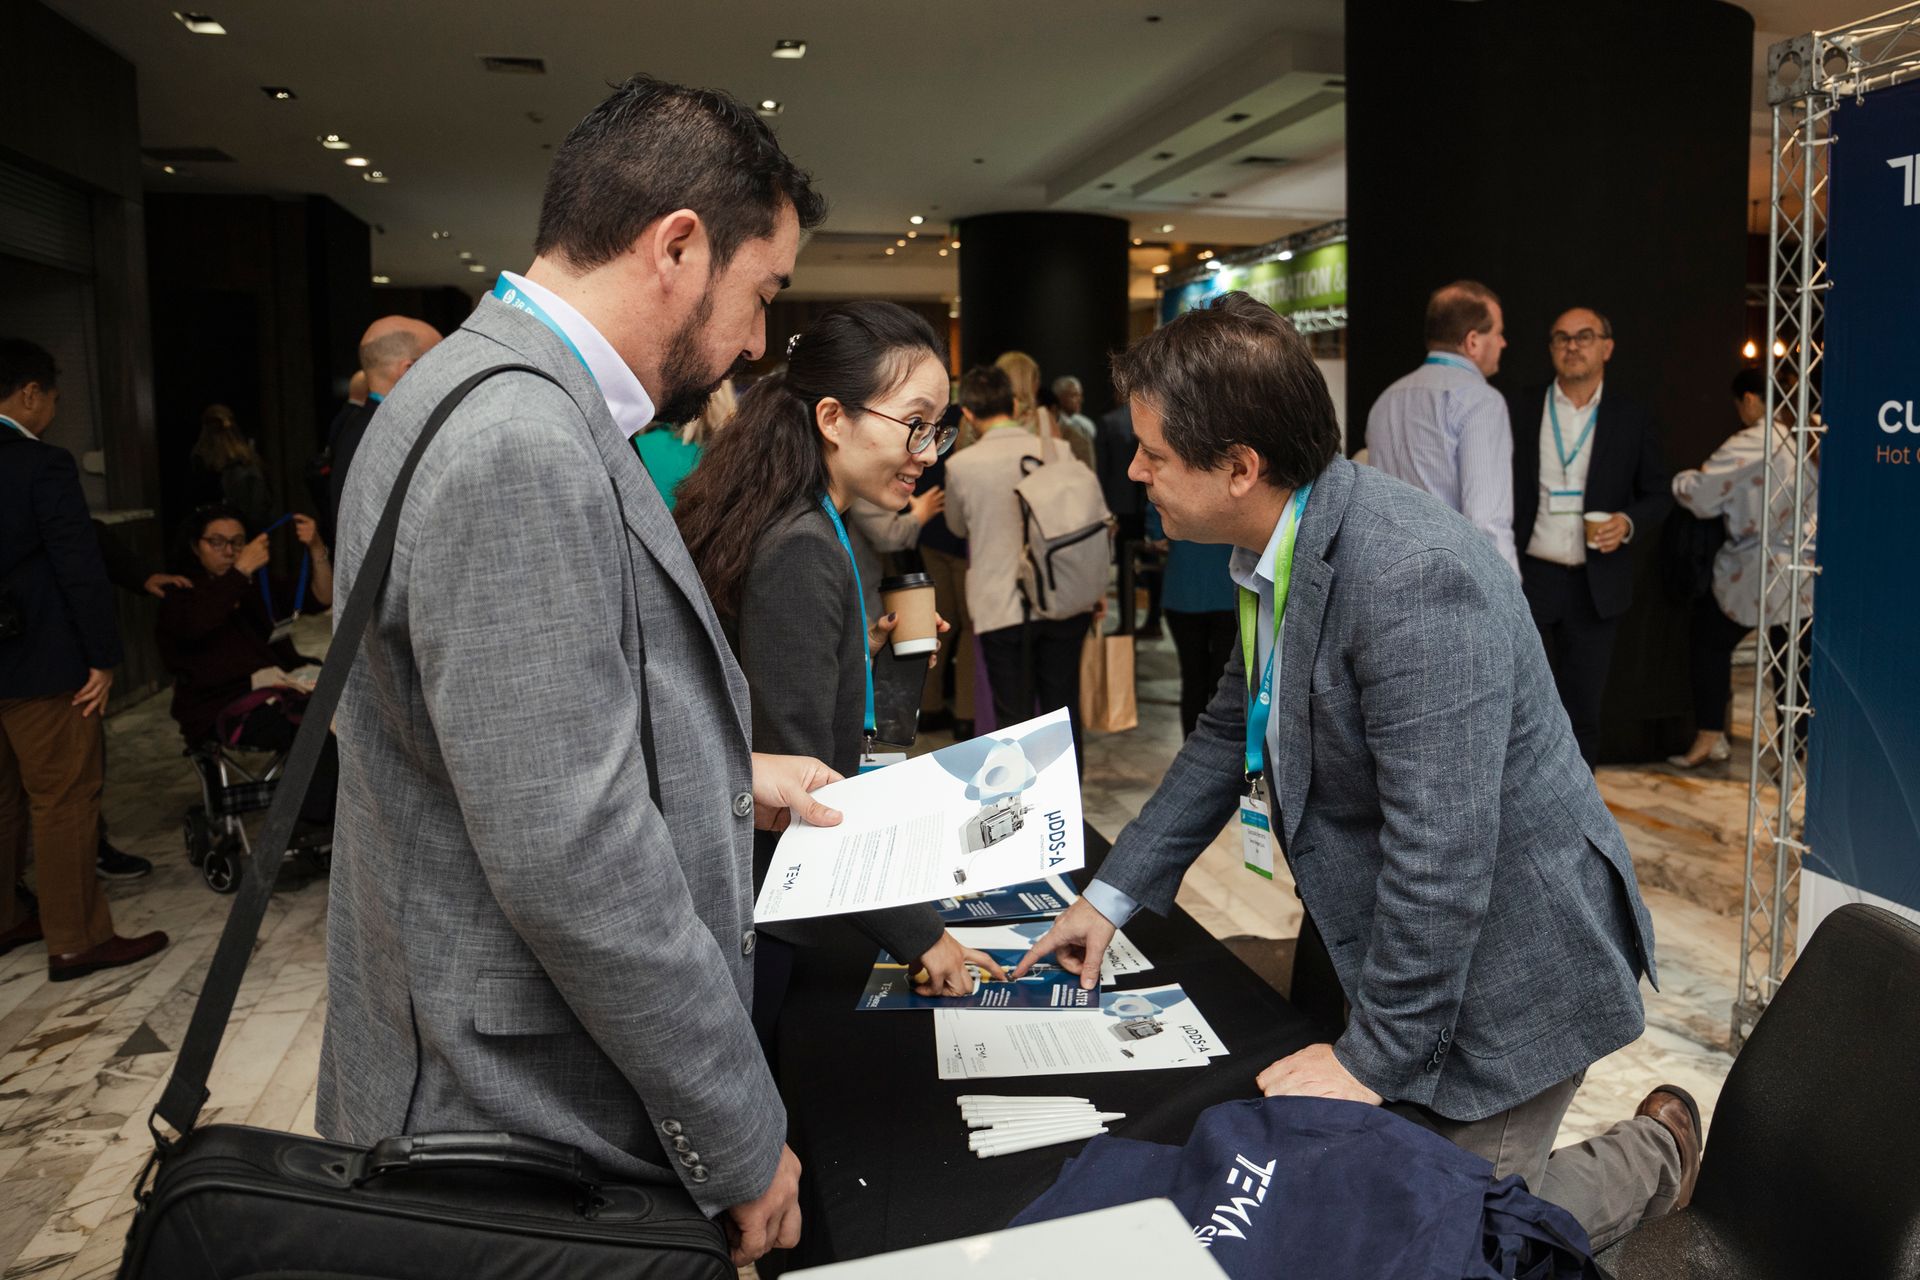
512 1152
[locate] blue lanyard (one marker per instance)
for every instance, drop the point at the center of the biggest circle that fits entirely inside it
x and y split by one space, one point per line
1261 706
859 594
1559 443
1457 362
300 592
519 301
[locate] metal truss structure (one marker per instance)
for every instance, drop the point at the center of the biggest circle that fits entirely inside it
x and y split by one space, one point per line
1807 76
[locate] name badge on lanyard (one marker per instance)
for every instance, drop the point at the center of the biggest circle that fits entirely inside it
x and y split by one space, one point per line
1257 834
1567 502
866 649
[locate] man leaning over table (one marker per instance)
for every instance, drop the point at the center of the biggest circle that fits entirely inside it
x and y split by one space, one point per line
1415 768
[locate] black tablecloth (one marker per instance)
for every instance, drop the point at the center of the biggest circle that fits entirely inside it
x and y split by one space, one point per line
879 1134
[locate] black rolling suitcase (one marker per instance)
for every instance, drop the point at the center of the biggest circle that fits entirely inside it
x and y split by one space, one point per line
233 1203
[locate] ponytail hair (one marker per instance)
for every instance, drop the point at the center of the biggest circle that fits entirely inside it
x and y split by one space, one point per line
772 456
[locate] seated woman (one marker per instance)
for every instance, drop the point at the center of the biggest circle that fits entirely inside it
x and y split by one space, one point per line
214 634
857 414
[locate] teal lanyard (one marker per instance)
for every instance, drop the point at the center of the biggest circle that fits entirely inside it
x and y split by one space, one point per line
1457 362
16 426
1260 708
519 301
1559 443
859 594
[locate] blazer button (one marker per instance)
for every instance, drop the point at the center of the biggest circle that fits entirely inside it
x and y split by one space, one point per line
743 805
746 943
681 1144
671 1128
699 1173
690 1159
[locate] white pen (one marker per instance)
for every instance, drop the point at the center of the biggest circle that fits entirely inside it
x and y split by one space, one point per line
1007 1133
1023 1106
1077 1110
1018 1097
1034 1143
1016 1117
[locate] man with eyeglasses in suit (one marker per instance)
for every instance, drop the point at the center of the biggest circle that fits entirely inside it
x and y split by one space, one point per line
1587 476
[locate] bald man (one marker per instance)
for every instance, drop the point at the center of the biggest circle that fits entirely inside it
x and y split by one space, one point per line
387 350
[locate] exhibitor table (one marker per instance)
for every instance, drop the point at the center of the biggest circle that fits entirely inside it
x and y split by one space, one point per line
879 1134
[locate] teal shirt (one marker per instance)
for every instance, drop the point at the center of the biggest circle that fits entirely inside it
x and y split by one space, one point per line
666 459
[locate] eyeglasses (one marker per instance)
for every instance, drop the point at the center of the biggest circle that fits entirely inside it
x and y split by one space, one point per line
939 433
1583 339
231 544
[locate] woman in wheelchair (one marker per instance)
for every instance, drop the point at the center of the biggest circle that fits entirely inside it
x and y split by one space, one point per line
233 622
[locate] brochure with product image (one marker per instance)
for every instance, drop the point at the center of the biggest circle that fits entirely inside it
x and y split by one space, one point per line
1045 986
1048 897
1149 1029
998 810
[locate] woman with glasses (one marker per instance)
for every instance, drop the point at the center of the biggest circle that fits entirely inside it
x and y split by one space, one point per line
229 623
860 412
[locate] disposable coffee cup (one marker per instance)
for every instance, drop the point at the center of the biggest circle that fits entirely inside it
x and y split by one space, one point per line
917 628
1594 520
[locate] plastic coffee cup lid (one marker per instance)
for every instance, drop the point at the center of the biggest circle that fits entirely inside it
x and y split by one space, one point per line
906 582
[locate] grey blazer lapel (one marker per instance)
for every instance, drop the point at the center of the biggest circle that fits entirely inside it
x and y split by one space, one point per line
641 507
1300 642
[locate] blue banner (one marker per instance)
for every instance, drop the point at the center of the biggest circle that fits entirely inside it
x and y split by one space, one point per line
1863 798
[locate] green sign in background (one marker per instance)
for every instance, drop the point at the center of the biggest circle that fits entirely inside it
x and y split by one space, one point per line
1310 281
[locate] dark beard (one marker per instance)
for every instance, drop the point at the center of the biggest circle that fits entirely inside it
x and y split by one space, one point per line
685 384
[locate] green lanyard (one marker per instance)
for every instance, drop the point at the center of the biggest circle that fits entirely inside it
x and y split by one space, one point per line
1260 704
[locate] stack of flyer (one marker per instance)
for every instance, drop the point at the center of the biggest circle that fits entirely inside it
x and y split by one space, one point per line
1044 1023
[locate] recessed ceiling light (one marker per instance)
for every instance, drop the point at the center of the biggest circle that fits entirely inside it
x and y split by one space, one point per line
383 279
374 176
956 244
278 92
466 255
1163 155
1160 268
913 235
901 243
1238 116
769 107
356 162
944 252
1165 227
201 24
890 251
1213 264
1108 186
789 48
440 235
476 267
1285 255
334 142
167 168
1137 240
916 219
1204 254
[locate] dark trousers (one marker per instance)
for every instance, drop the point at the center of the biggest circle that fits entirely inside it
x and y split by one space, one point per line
1020 691
1203 642
1710 645
1579 642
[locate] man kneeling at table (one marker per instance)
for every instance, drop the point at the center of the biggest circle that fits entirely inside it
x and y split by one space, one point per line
1410 759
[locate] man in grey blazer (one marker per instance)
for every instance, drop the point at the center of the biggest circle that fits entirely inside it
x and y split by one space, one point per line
1416 769
542 899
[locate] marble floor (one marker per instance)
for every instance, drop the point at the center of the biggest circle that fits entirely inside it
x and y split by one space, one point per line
81 1064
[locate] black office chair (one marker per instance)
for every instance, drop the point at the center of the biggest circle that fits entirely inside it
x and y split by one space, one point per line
1813 1161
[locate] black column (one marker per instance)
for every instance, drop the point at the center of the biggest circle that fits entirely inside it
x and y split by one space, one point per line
1053 285
1593 155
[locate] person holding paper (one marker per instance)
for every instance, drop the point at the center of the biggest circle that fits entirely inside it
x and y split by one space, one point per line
1388 724
860 412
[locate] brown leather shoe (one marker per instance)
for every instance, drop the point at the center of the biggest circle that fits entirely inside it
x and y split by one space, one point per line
1679 1114
20 935
111 954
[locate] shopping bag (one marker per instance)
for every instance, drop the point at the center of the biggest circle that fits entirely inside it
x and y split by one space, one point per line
1107 701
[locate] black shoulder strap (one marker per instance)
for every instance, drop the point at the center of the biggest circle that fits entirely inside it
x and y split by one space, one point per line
186 1092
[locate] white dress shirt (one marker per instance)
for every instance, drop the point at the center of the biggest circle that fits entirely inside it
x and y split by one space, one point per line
627 400
6 421
1443 429
1562 538
1255 573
